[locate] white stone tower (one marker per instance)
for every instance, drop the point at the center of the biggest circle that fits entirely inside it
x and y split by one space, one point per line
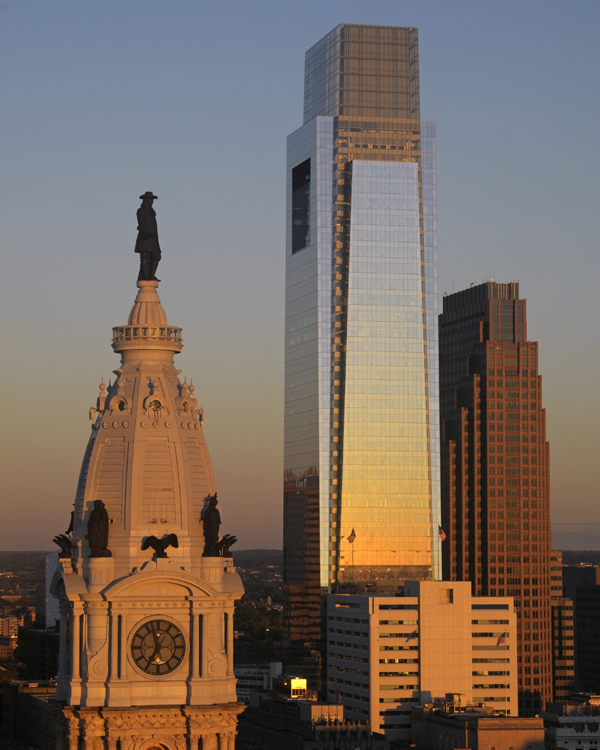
146 647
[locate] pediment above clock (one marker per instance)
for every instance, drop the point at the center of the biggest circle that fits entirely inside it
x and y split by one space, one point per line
163 588
145 584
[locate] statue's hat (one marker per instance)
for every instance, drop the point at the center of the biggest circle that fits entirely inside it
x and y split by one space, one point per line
149 194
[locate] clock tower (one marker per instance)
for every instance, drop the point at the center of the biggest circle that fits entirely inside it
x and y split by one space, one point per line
146 583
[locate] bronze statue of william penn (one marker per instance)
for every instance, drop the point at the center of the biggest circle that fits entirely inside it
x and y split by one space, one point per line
147 240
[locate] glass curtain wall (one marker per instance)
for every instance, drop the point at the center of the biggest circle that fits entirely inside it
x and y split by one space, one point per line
308 368
362 489
384 491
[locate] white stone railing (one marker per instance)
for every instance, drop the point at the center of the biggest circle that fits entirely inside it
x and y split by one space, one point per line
147 333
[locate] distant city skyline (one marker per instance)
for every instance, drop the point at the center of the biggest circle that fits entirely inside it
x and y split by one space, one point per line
194 102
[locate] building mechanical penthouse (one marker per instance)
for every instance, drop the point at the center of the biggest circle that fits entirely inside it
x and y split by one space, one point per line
146 587
495 468
361 496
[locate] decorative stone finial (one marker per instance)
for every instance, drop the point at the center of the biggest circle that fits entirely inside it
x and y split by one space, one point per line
102 396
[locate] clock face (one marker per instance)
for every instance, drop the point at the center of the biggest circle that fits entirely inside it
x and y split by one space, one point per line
158 647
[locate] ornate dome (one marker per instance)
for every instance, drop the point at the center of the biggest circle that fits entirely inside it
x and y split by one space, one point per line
147 458
147 310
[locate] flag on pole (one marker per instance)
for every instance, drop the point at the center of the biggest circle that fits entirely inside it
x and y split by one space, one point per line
352 536
442 534
501 639
339 697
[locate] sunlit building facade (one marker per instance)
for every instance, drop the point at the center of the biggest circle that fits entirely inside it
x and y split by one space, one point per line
388 654
362 495
496 468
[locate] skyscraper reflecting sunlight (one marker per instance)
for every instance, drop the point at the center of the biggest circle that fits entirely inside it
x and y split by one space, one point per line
362 484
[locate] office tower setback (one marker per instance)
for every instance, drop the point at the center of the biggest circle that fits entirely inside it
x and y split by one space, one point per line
495 468
563 646
556 578
563 649
361 505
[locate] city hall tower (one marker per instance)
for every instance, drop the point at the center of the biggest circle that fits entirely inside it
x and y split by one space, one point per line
145 583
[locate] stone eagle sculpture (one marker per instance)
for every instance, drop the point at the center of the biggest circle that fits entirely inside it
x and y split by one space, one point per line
160 545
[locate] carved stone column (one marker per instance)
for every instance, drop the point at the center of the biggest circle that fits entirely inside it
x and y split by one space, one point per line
114 645
204 651
67 730
196 656
229 645
75 643
123 665
209 742
63 645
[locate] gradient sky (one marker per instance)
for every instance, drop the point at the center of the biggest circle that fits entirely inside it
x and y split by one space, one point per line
194 100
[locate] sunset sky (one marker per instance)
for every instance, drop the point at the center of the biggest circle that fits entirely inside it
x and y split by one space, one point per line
194 100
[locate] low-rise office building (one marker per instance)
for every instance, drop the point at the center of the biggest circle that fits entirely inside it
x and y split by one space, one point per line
449 726
386 654
255 677
573 725
274 721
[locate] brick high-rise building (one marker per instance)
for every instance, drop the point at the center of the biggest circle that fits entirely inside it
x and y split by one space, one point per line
495 468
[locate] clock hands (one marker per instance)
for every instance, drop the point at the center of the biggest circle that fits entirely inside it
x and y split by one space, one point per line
158 647
155 658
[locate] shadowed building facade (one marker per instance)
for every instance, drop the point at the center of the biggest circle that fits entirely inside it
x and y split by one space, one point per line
495 468
361 496
581 584
563 633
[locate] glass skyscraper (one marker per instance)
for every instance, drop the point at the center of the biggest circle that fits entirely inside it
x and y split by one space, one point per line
362 476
